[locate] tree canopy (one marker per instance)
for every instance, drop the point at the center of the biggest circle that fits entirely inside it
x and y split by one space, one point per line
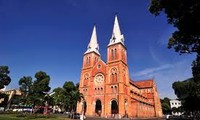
67 96
26 88
60 98
185 16
165 105
41 84
4 78
34 91
40 87
188 92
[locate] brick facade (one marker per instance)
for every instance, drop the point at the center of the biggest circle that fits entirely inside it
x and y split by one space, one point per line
108 90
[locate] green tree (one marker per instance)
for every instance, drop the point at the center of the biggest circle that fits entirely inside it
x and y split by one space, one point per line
73 94
48 100
187 92
196 73
26 88
174 109
182 88
67 96
166 105
4 78
60 98
69 86
40 88
184 16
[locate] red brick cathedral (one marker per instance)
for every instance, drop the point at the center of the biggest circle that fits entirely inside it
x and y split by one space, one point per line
107 88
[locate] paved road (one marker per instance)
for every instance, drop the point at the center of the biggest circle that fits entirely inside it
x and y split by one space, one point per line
96 118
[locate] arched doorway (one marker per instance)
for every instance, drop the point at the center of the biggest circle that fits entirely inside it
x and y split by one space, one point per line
98 107
114 107
84 107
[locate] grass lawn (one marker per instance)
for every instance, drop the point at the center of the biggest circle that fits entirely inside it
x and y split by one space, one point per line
18 116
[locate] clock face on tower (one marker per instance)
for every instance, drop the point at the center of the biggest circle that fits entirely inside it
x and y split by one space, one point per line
99 78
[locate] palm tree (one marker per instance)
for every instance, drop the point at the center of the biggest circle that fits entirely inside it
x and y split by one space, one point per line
60 98
75 96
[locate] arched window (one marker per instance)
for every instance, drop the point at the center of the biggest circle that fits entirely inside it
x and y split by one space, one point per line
86 61
95 60
112 90
116 89
123 55
112 55
115 53
86 79
101 90
124 75
113 75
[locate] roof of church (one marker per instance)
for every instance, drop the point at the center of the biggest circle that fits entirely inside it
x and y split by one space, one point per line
93 45
117 36
142 83
133 83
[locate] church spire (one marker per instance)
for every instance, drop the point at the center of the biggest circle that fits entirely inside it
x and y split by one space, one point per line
117 37
93 46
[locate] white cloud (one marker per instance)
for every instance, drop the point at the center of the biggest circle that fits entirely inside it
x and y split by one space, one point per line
164 37
166 75
150 71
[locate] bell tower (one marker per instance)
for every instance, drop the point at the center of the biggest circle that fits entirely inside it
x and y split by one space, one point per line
117 69
116 49
90 58
92 55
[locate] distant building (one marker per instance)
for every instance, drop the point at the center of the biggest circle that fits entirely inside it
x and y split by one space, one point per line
107 88
175 104
11 93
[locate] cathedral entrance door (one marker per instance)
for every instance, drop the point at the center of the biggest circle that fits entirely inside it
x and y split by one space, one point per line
98 107
114 107
84 107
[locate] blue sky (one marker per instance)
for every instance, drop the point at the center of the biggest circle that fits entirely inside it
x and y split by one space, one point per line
52 35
